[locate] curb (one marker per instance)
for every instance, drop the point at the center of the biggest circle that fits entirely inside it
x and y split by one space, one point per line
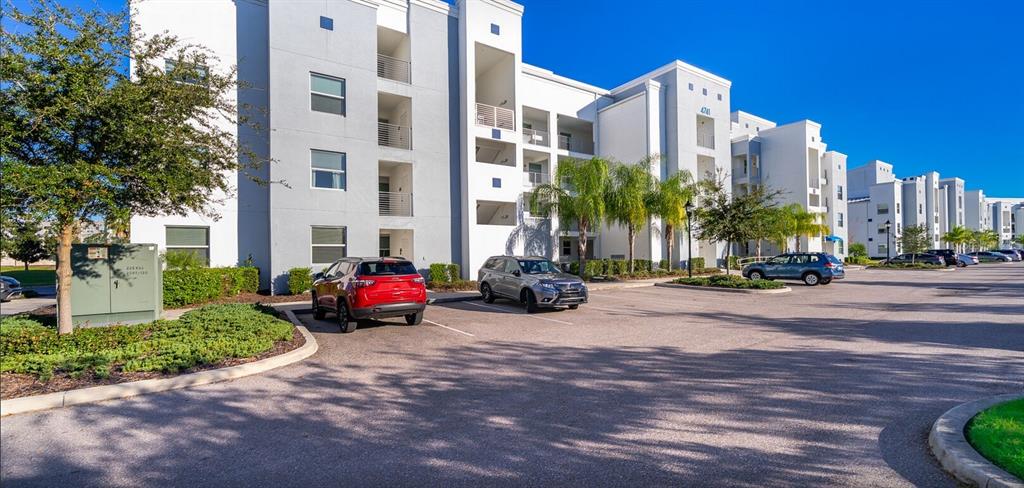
619 286
949 445
124 390
727 290
467 298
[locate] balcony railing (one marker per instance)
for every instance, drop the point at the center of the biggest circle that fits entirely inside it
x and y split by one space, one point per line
491 116
706 140
533 178
393 68
575 145
538 137
392 135
395 204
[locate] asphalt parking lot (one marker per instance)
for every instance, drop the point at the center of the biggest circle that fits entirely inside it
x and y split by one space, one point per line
830 385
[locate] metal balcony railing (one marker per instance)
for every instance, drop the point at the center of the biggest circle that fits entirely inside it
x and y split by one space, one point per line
538 137
575 145
491 116
392 135
393 68
533 178
706 140
395 204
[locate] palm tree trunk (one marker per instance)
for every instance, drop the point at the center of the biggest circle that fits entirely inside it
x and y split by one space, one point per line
632 240
581 246
757 248
670 237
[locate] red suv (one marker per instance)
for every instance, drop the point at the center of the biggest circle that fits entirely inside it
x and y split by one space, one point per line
369 288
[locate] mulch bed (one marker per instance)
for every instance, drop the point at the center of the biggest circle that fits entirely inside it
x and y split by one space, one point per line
14 385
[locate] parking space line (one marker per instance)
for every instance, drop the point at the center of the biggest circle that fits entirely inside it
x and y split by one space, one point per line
492 307
453 329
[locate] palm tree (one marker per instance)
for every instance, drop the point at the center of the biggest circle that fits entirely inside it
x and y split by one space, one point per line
628 194
802 223
771 226
957 236
989 239
668 201
577 194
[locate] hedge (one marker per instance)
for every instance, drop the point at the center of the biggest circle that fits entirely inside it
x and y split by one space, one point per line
445 273
300 280
697 262
197 285
734 262
729 281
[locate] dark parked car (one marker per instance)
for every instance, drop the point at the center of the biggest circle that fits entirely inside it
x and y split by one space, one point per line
812 268
926 258
9 288
947 255
369 288
534 281
1013 253
991 257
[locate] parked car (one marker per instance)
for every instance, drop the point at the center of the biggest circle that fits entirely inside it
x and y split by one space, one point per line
991 257
9 288
534 281
966 260
357 289
948 256
813 268
926 258
1013 253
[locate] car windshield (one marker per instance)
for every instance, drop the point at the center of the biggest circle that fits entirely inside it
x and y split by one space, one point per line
833 259
384 268
538 266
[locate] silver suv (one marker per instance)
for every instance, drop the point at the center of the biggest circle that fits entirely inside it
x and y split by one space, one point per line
534 281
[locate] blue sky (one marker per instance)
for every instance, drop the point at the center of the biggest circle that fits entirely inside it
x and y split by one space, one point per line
935 85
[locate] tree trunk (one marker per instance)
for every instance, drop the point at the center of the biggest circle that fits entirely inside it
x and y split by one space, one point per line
757 249
67 234
26 265
632 242
581 247
797 243
728 251
670 237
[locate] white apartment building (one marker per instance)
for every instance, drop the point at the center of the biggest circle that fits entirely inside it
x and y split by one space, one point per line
952 192
793 159
914 195
977 216
1006 214
876 199
413 128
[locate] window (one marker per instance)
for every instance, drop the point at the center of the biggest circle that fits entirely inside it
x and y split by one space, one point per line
704 91
327 93
883 209
897 208
328 169
881 230
193 74
839 192
511 265
920 208
496 182
841 248
691 86
839 220
192 240
566 247
883 249
385 246
389 268
326 23
719 97
496 29
746 125
327 244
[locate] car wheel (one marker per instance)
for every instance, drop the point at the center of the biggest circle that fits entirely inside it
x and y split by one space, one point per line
573 307
531 302
344 321
756 275
485 291
318 313
812 279
961 264
414 318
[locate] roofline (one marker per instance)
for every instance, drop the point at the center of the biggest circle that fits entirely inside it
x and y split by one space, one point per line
755 117
549 75
677 64
508 5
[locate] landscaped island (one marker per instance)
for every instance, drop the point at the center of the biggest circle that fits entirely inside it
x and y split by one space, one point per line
35 359
907 266
729 281
998 434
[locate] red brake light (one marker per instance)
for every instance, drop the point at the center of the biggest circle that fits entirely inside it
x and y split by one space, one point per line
828 264
418 279
362 283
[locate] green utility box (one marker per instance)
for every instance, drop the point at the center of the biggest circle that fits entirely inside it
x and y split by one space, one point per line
115 283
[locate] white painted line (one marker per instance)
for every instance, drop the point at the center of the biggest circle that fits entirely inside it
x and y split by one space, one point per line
453 329
500 309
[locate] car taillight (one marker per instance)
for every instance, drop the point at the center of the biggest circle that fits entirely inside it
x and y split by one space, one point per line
418 280
828 264
362 283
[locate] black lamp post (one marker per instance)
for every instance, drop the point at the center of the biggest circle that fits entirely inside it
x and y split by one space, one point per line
888 225
689 241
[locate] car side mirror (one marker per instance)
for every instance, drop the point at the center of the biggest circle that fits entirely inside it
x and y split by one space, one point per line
318 276
517 273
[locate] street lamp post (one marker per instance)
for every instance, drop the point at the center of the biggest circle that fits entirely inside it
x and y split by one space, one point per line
888 225
689 241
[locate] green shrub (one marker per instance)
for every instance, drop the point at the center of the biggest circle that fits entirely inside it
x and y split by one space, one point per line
439 273
734 262
593 267
454 273
182 260
618 267
196 285
574 268
698 262
300 280
663 264
729 281
204 336
858 250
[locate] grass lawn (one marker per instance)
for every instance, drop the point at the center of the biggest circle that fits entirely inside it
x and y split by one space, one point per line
36 275
998 434
730 281
204 336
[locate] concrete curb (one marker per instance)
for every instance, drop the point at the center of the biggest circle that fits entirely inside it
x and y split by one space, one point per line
956 455
934 270
618 286
727 290
467 298
124 390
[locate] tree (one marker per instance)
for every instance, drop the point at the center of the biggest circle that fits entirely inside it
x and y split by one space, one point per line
914 239
730 219
26 243
577 195
801 223
629 192
668 202
989 239
958 236
771 226
85 139
1019 239
858 250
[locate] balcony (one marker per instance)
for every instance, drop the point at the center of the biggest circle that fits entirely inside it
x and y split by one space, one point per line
536 137
706 140
534 178
395 204
393 69
575 145
491 116
392 135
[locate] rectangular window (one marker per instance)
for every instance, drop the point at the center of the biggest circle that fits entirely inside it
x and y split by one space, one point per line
841 248
328 169
327 244
882 249
897 208
704 91
495 29
326 23
187 73
691 86
883 209
192 240
566 247
496 182
327 94
385 246
839 192
719 97
881 230
840 219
